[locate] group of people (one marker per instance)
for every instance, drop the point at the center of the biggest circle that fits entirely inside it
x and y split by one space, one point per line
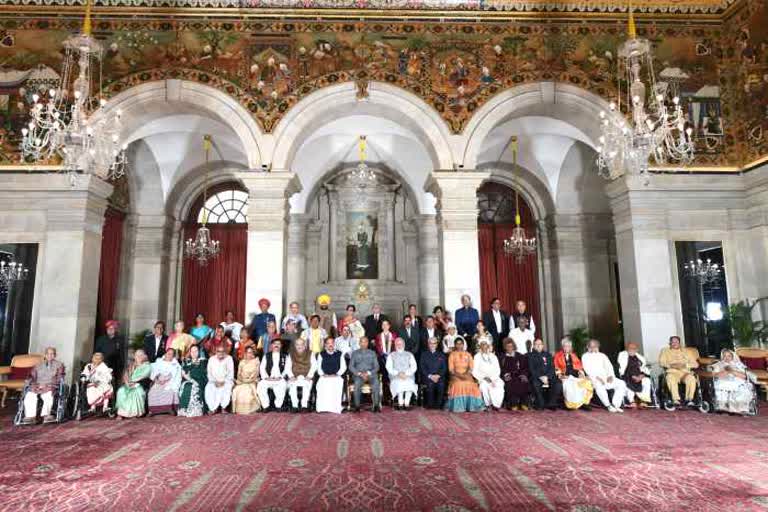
459 363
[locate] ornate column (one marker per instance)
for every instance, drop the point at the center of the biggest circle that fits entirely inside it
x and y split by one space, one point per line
457 220
429 262
268 193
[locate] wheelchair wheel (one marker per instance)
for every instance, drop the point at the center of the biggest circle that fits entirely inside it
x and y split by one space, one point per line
669 405
705 407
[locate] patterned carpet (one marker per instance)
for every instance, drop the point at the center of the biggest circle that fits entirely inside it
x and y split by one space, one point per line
419 460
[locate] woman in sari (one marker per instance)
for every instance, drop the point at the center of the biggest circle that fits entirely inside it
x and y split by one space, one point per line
245 342
219 338
734 384
351 320
481 336
244 397
201 332
450 338
179 340
131 395
163 396
195 376
98 378
441 321
463 392
577 388
266 339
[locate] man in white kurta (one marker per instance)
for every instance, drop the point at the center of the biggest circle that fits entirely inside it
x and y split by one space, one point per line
274 369
599 369
331 368
346 343
401 367
488 373
221 379
300 374
522 335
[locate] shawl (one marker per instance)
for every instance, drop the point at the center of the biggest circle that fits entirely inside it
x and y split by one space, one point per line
560 362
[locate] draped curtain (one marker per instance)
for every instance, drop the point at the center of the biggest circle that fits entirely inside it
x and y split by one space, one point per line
109 271
500 275
220 285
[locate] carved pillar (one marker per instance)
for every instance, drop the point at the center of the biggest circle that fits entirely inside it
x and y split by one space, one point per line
457 221
267 223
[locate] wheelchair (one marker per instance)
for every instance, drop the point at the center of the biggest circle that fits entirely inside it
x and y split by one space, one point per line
58 409
707 382
80 408
665 396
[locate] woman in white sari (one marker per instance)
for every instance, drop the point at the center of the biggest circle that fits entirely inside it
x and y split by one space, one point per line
166 380
734 384
98 378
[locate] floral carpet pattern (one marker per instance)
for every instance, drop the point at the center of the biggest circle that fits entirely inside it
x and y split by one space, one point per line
418 460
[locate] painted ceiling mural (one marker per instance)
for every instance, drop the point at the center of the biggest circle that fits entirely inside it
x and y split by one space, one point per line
720 70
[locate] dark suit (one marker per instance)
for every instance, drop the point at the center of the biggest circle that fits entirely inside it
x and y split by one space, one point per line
411 341
425 338
417 322
433 363
373 327
149 346
540 364
490 326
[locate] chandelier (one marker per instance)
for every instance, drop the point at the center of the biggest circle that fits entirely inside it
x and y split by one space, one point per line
202 248
705 272
72 124
11 272
363 176
656 129
518 244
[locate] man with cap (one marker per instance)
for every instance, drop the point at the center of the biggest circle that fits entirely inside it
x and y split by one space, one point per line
327 317
114 348
259 323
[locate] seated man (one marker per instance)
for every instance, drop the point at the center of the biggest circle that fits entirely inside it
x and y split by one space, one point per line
546 386
577 387
364 367
43 382
433 367
599 369
275 367
221 379
97 377
401 367
300 374
678 364
635 372
331 367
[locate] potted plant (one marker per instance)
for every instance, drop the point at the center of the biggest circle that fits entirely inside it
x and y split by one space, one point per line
579 338
746 331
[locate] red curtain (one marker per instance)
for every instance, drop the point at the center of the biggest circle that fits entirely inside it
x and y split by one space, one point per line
220 285
500 275
109 271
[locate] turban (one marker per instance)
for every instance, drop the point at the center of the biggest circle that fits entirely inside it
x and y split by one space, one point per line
324 299
263 302
112 323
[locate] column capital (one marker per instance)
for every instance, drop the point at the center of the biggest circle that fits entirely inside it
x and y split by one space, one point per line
456 194
274 184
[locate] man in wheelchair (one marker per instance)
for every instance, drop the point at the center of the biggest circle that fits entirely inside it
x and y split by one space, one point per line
44 382
678 367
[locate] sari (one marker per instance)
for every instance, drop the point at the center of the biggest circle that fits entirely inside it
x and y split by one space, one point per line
191 397
98 389
463 391
244 397
163 396
732 394
131 395
180 343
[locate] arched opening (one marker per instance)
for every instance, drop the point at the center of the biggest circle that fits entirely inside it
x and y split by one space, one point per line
500 275
218 286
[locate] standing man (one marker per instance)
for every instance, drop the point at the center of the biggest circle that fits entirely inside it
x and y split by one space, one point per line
327 317
373 321
314 335
430 330
114 348
231 326
599 369
364 367
295 315
410 335
416 320
497 323
346 343
259 323
154 343
43 382
466 318
433 367
522 335
275 368
521 311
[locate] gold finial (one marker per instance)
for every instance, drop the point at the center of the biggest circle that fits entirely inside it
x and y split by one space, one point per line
207 143
87 20
513 146
361 147
632 29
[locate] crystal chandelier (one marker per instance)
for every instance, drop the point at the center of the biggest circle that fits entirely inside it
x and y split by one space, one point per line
72 124
704 271
656 129
363 176
518 245
10 273
202 248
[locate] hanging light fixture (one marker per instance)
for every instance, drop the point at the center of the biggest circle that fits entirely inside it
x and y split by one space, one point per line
518 245
11 273
363 176
705 272
656 129
202 248
72 124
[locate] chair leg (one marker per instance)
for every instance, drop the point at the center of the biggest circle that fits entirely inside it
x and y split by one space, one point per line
5 395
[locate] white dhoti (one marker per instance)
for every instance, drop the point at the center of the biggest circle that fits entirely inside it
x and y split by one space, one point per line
644 394
403 389
493 392
278 387
306 388
576 391
329 391
619 392
217 396
30 404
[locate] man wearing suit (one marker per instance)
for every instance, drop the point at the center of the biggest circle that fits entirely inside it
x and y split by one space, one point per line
416 320
497 323
430 330
410 335
154 343
373 321
546 385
